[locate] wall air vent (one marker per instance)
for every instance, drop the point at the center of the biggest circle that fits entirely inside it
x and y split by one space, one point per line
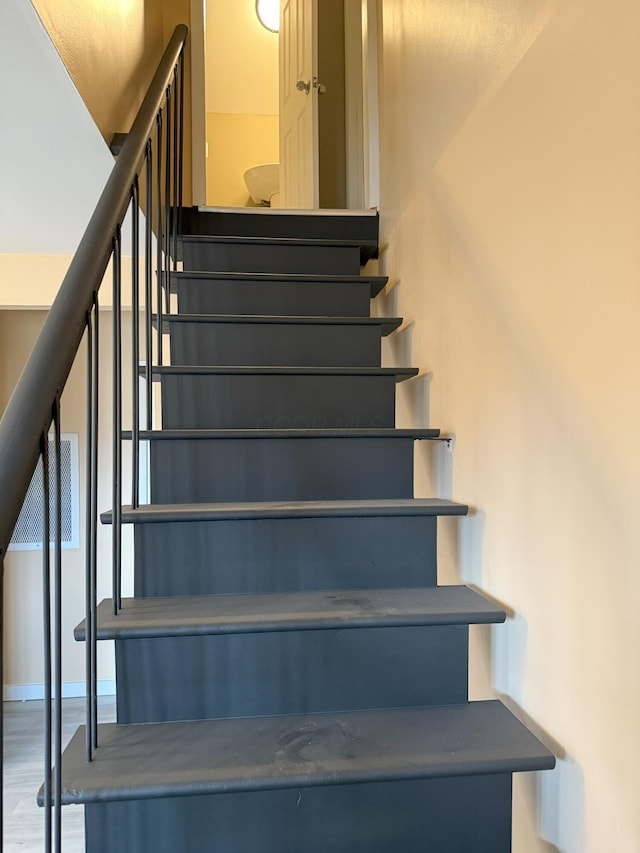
27 535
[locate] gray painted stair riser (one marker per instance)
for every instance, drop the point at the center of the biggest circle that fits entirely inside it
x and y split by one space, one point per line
201 470
296 225
265 344
279 555
446 815
287 298
221 401
247 257
291 672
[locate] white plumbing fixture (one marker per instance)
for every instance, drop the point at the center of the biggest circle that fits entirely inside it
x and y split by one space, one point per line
263 182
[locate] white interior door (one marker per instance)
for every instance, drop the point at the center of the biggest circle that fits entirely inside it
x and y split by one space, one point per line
299 183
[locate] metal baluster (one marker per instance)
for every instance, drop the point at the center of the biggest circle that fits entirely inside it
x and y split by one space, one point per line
46 630
117 425
57 633
89 534
147 281
167 205
181 139
93 639
1 704
159 236
174 198
135 336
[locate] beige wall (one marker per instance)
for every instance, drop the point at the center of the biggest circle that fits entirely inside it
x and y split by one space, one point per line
176 12
33 281
511 208
23 578
111 50
241 98
53 160
236 143
242 60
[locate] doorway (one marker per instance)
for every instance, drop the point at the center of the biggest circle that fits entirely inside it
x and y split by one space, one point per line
237 60
241 98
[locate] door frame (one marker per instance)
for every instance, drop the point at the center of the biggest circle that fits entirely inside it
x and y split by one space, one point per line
371 32
197 32
354 105
364 132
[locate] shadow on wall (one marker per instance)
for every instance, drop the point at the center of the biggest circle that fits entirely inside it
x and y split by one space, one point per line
562 811
557 799
553 802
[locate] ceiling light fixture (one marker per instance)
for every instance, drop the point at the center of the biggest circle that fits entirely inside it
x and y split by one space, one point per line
268 12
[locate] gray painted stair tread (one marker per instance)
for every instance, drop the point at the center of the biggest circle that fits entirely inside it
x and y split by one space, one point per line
151 513
292 611
401 373
376 282
191 434
387 324
260 753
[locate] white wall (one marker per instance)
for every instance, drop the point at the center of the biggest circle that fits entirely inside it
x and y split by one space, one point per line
111 51
53 160
53 167
511 209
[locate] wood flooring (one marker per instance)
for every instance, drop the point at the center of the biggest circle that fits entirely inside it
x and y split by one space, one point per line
23 774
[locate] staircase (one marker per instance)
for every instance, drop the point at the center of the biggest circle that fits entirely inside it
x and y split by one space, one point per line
290 677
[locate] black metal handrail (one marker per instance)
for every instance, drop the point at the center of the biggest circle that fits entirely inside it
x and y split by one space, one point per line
154 157
47 370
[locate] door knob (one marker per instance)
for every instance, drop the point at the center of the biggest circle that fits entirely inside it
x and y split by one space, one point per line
301 86
319 86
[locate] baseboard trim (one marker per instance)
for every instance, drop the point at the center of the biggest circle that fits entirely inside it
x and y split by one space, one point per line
70 690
